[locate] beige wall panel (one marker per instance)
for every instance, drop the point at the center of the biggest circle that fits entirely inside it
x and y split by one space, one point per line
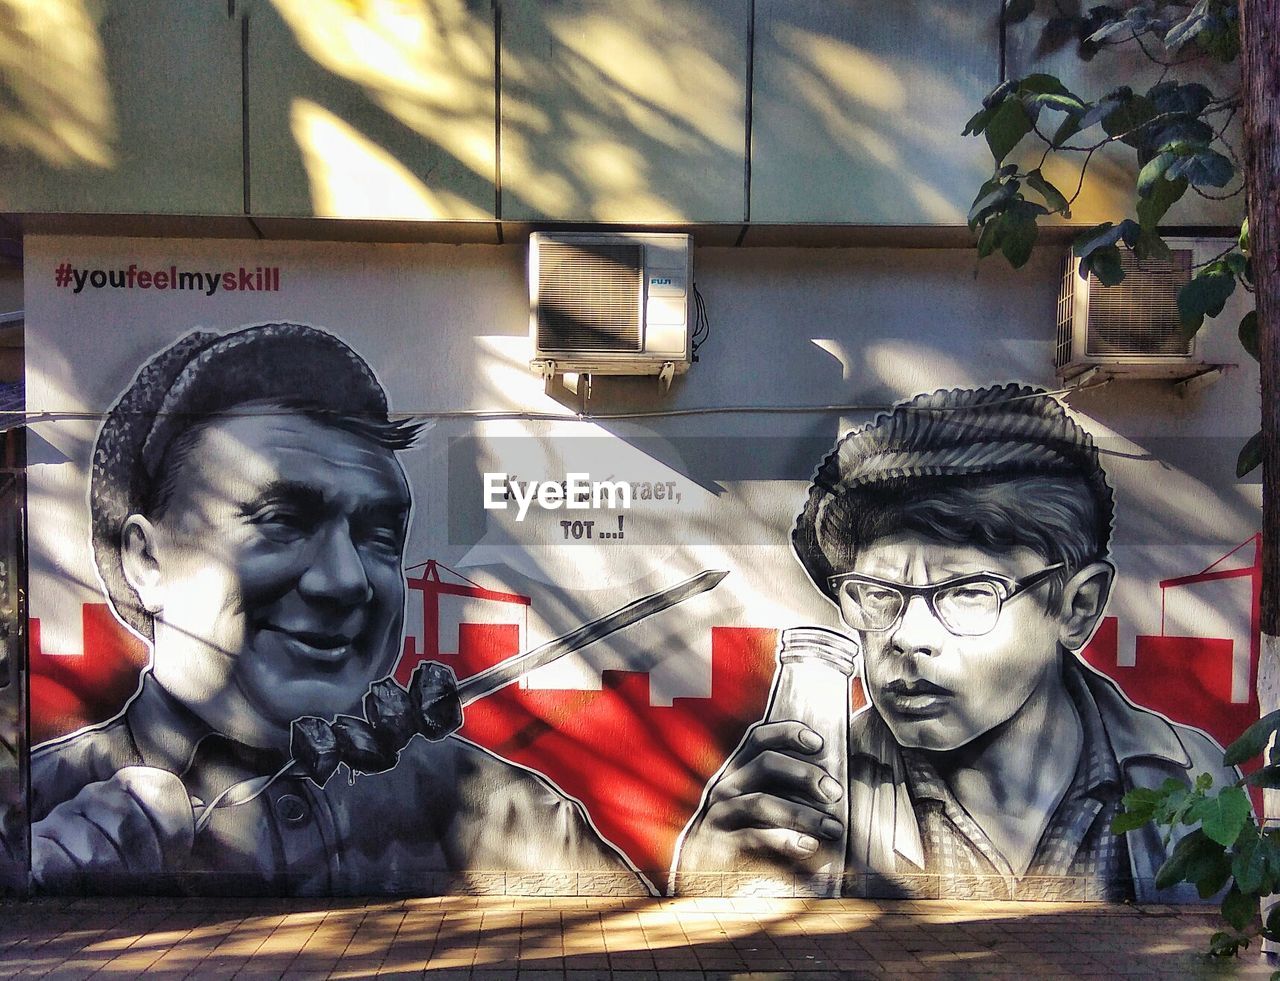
119 106
858 110
616 111
371 109
1108 193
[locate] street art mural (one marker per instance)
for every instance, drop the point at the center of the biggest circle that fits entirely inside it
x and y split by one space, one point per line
250 524
309 617
963 537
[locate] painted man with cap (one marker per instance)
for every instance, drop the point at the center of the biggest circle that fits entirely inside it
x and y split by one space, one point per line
963 537
249 520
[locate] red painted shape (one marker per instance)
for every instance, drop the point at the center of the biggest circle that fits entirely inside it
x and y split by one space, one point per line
72 690
638 768
1187 679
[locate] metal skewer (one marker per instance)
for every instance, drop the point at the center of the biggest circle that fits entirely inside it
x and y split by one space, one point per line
503 673
514 668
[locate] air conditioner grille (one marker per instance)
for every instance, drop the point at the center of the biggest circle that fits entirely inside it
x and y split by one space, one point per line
1066 313
589 296
1140 316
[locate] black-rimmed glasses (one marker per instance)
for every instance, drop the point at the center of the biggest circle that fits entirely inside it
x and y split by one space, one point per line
968 605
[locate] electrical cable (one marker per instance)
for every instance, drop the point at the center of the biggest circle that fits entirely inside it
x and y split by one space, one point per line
701 323
498 415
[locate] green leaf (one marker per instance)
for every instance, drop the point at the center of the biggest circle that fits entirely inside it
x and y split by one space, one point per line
1054 199
1204 296
1098 112
991 199
1153 171
997 95
1109 29
1190 848
1253 740
1267 776
1007 127
1273 921
1129 821
1244 236
1249 460
1236 262
1191 98
1105 264
1269 847
988 239
977 122
1239 908
1130 118
1019 232
1160 197
1062 103
1042 84
1249 865
1223 944
1095 238
1222 38
1142 796
1016 11
1174 803
1183 130
1223 816
1248 332
1204 166
1188 27
1150 246
1068 128
1210 872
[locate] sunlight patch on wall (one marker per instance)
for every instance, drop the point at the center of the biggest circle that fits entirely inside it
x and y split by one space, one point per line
904 366
852 73
651 86
429 65
1108 191
932 201
610 113
351 176
621 182
56 102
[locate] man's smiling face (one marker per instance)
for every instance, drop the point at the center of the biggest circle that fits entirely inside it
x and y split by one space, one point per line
274 572
938 691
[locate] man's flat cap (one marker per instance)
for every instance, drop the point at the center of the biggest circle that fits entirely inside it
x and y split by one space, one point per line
197 377
1001 432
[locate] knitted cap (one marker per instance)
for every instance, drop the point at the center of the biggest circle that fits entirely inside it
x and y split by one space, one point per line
1001 432
200 375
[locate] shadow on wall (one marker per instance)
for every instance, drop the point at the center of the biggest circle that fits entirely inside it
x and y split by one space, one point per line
54 97
395 110
388 110
399 100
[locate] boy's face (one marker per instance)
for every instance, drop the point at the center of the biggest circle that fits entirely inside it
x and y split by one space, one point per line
938 691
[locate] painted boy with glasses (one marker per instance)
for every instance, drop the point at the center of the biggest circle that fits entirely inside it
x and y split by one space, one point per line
963 537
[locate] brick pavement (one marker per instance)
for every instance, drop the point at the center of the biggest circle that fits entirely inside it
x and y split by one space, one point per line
496 939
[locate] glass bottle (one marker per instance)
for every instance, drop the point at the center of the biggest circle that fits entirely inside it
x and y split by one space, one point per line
811 686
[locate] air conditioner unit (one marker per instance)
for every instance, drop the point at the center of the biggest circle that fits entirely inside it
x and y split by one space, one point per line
610 303
1130 330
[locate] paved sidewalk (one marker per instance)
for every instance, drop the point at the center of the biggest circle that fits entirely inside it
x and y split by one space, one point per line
551 939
